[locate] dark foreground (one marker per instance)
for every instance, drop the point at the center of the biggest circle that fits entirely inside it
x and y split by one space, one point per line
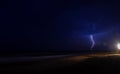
93 64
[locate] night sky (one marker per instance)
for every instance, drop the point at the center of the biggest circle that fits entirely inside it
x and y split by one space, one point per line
41 25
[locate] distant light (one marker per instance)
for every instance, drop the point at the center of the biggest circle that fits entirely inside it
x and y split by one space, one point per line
118 46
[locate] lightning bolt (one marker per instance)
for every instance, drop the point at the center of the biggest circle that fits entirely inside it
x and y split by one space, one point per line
92 41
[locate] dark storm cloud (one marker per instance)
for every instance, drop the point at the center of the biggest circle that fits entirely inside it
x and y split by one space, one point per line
46 24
